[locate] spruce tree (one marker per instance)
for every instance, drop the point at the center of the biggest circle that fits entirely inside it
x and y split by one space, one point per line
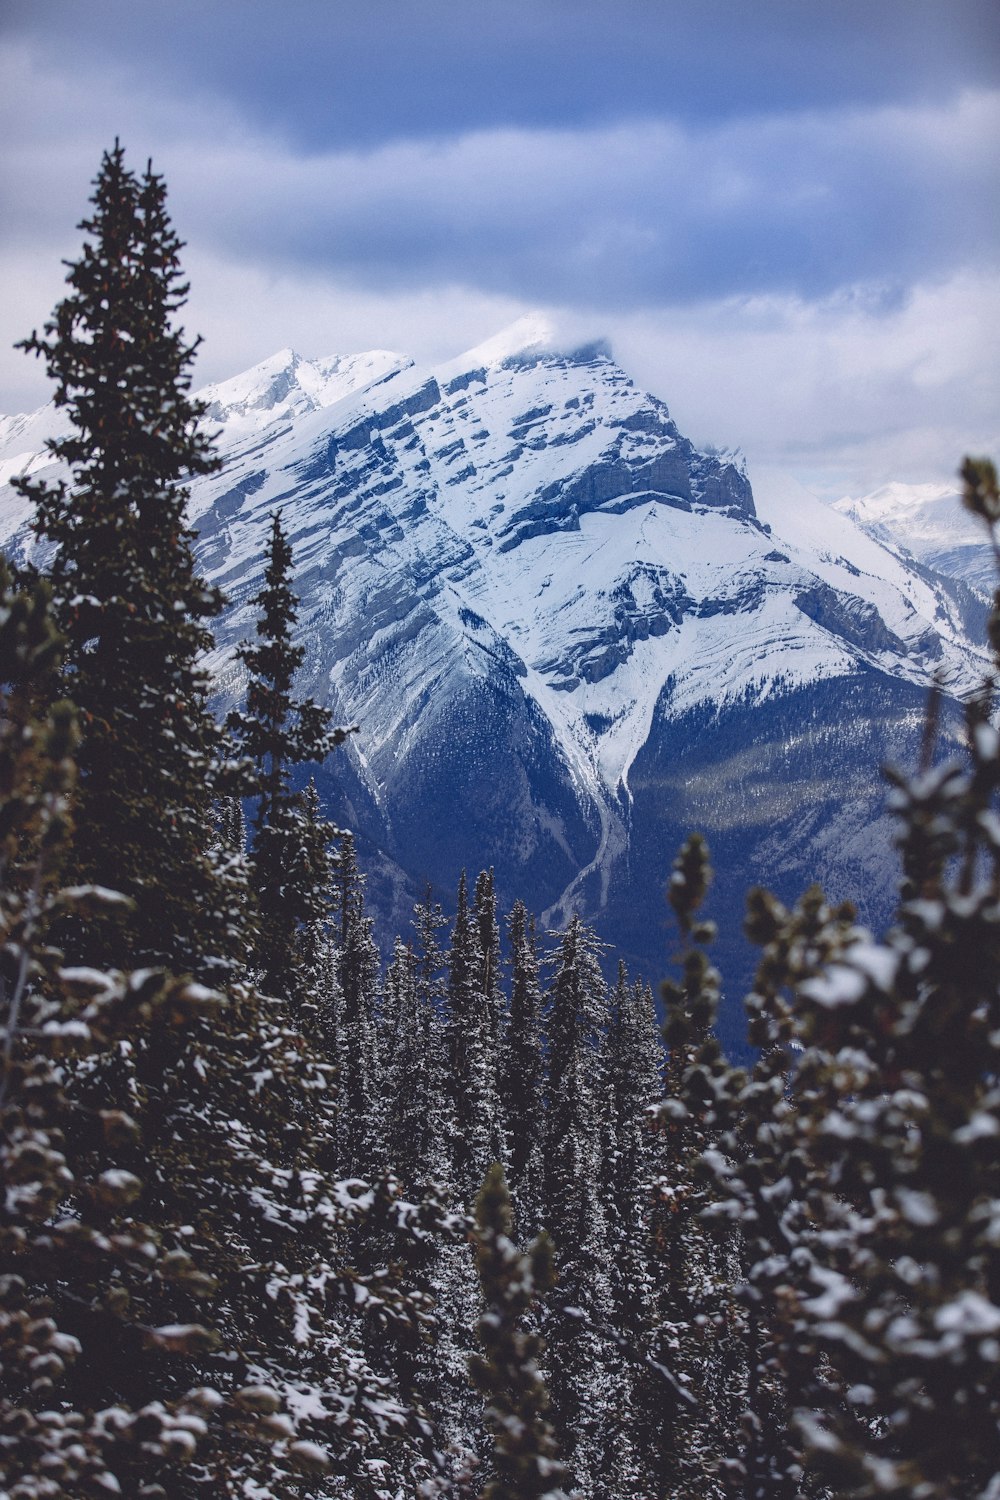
633 1068
419 1129
431 990
358 971
522 1075
471 1055
485 909
525 1459
586 1383
126 593
278 733
697 1386
312 959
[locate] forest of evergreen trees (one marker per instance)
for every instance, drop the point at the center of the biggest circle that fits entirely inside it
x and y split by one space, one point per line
281 1220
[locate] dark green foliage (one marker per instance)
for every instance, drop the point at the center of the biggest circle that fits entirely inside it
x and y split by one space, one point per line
633 1068
84 1275
721 1414
419 1125
587 1385
471 1053
357 978
174 1276
126 595
485 909
314 981
522 1075
277 732
525 1461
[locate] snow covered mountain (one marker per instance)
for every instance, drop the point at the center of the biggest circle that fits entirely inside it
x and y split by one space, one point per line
928 522
567 636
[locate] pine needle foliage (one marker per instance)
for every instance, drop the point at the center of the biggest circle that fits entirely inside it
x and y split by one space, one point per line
278 733
127 596
525 1461
81 1263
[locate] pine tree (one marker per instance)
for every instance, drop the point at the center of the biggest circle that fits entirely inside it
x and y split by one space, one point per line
419 1129
174 1275
525 1459
522 1075
126 594
358 972
691 1402
278 732
231 826
633 1065
472 1060
484 906
431 985
585 1380
80 1260
312 959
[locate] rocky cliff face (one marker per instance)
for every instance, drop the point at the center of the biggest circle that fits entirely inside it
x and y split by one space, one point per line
566 635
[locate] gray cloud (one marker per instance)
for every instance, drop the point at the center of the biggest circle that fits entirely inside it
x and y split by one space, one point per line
817 285
646 212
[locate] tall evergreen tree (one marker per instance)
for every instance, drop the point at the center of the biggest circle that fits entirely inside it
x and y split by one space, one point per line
633 1065
173 1279
313 955
471 1056
431 984
485 908
358 971
696 1387
525 1459
279 732
419 1129
522 1076
126 593
586 1383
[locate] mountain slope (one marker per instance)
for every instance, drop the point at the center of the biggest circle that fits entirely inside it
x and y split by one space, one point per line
928 522
567 636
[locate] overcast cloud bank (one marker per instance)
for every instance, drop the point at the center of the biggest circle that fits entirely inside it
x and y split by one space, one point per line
817 282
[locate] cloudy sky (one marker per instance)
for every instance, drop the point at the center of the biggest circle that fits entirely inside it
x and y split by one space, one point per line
783 215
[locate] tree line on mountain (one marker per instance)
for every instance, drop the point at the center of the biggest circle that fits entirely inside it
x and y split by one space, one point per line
281 1220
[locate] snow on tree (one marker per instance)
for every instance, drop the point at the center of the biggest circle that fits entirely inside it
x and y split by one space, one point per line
358 972
522 1075
82 1264
633 1061
587 1385
525 1457
471 1053
191 1284
419 1128
900 1117
859 1159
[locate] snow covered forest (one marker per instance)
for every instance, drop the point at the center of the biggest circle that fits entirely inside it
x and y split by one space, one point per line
280 1219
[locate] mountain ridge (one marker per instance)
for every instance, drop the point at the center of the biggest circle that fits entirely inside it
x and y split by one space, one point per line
538 600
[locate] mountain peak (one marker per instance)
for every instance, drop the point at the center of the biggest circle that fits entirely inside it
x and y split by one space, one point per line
529 338
285 383
534 332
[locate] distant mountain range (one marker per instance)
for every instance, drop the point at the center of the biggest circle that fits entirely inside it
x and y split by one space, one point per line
928 523
568 636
